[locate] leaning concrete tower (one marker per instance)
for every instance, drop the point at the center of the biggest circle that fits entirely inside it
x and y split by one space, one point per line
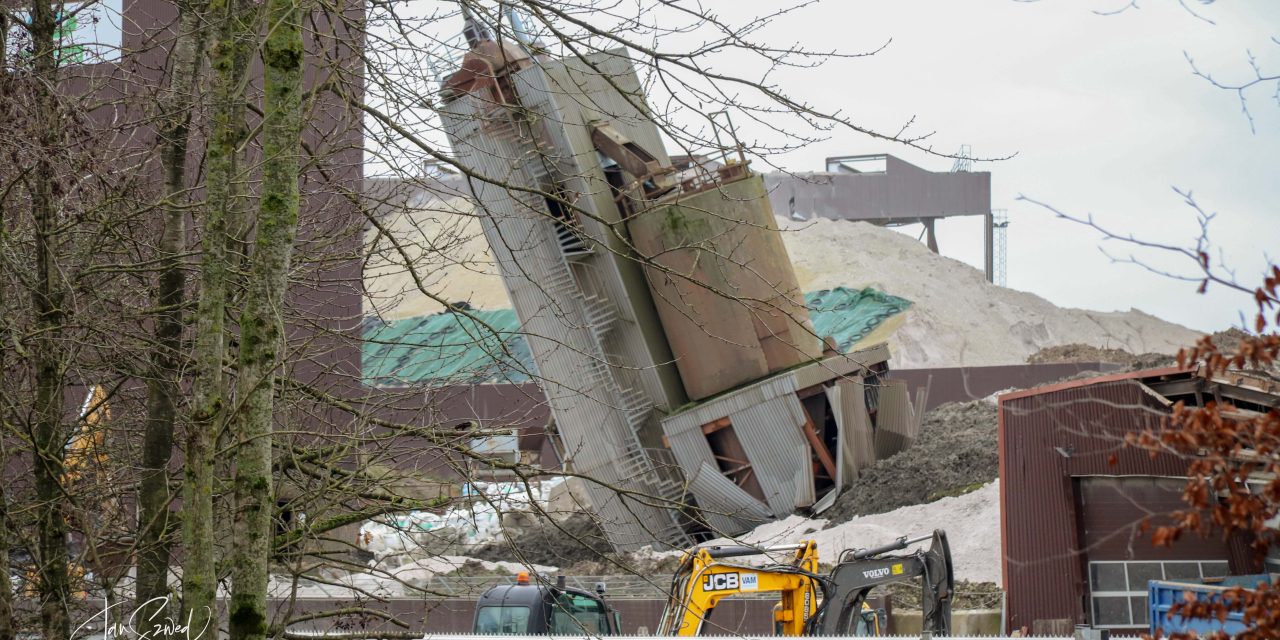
652 296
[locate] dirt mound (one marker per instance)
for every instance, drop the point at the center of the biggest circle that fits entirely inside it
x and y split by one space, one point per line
968 595
578 547
573 540
956 452
1228 341
1077 352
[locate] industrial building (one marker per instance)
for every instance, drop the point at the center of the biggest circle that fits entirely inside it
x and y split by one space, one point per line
1076 501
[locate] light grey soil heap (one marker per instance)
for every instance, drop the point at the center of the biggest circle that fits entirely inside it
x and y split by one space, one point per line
956 452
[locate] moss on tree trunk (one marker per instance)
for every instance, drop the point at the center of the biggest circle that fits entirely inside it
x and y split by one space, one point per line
163 391
261 323
232 47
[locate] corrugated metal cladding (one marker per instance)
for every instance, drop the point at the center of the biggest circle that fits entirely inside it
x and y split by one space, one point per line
724 505
779 453
857 439
766 417
1048 441
896 424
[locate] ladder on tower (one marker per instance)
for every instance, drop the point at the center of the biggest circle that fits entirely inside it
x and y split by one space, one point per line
1000 250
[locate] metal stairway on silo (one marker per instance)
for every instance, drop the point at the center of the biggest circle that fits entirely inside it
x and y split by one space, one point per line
599 316
534 155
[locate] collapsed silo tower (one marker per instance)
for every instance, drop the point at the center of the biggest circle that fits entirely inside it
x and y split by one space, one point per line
652 297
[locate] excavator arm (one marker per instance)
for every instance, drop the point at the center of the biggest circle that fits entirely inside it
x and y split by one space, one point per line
861 571
705 578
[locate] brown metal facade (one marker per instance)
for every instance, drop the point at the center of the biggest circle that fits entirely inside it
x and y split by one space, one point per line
962 384
1051 441
899 193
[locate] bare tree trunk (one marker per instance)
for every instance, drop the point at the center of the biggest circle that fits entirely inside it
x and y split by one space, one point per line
49 433
231 53
261 324
6 587
163 384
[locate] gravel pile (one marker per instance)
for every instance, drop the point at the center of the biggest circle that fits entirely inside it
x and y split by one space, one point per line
968 595
956 452
1087 353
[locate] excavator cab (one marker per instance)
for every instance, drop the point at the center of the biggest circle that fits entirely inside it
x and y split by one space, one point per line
525 609
870 623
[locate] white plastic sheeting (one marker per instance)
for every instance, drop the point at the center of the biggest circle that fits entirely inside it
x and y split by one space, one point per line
476 522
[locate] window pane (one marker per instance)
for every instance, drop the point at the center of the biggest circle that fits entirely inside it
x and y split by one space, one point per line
1111 611
1142 572
578 615
1181 570
1214 569
1108 576
1140 609
503 621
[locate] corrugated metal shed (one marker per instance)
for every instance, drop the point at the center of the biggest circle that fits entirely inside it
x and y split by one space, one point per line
1049 438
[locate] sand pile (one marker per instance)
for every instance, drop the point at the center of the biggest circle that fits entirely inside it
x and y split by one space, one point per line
958 317
436 247
956 452
972 523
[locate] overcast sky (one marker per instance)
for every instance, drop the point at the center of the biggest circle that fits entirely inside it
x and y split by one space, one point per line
1102 113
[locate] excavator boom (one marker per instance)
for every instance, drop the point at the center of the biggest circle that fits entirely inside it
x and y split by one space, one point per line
861 571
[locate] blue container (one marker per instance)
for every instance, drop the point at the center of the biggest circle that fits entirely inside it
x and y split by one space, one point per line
1162 595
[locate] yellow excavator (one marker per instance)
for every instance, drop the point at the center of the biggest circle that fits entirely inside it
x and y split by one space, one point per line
707 575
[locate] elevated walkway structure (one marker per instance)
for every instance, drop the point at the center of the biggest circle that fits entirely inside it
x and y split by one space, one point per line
887 191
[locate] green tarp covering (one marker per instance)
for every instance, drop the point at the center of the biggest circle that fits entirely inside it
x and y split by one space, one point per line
851 315
453 348
447 348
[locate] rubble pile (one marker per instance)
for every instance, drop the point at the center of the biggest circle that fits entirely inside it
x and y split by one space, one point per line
956 452
968 595
574 540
